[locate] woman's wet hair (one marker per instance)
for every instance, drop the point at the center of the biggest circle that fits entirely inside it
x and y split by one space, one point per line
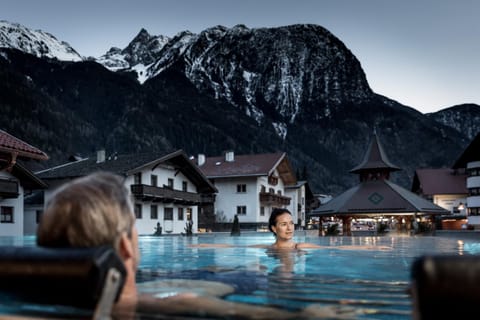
273 217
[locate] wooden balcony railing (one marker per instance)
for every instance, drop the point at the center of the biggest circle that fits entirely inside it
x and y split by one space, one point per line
274 199
162 194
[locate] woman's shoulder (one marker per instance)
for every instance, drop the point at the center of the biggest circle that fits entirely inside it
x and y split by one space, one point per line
307 245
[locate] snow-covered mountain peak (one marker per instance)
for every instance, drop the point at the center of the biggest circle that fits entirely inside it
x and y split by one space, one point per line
141 52
35 42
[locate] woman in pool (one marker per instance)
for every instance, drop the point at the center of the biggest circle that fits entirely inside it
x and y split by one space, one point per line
282 226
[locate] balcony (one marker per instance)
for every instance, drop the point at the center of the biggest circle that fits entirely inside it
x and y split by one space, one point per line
168 195
8 188
274 199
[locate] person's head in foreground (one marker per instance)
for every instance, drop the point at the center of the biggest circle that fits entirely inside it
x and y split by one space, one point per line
282 226
91 211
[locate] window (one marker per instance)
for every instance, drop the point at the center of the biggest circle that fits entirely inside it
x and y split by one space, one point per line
6 215
137 178
262 211
154 212
474 191
473 211
180 214
168 214
184 186
170 183
138 211
154 180
241 188
263 189
273 180
279 192
473 172
38 216
242 210
271 190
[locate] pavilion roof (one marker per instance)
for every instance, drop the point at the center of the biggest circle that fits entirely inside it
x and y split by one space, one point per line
375 158
377 197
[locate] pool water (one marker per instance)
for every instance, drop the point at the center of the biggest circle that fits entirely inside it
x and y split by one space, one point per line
363 284
355 283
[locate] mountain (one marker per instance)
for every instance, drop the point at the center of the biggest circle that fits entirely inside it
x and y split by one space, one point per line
35 42
141 52
464 118
297 89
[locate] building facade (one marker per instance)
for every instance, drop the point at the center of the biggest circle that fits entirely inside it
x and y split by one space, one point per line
250 187
166 189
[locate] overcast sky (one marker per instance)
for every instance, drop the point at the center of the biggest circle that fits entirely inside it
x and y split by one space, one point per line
422 53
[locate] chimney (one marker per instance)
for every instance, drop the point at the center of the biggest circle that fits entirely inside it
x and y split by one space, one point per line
229 156
201 159
100 156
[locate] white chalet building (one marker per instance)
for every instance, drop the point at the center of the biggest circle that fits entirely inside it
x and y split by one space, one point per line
16 181
166 189
250 186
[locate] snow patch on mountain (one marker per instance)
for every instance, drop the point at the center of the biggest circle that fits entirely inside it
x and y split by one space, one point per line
280 129
35 42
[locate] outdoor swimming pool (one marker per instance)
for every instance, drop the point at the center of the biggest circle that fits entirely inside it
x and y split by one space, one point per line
371 284
363 284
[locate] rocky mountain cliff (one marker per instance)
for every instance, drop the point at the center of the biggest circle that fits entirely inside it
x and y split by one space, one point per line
296 89
464 118
35 42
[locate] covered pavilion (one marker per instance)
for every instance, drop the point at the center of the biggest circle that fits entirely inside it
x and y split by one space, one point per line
376 197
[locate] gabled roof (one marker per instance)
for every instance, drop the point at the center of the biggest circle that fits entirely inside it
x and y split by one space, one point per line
250 166
27 179
439 181
129 164
470 154
377 197
375 158
9 144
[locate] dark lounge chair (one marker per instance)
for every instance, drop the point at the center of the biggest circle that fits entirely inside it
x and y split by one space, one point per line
89 279
446 287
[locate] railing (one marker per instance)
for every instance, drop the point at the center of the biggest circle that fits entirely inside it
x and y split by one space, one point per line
146 192
8 188
274 199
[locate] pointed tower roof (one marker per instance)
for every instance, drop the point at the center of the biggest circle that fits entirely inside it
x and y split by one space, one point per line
375 158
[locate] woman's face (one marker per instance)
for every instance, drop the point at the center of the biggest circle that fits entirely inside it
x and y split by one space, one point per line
284 227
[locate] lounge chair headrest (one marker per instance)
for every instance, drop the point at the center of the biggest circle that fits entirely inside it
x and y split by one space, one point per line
63 276
446 287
